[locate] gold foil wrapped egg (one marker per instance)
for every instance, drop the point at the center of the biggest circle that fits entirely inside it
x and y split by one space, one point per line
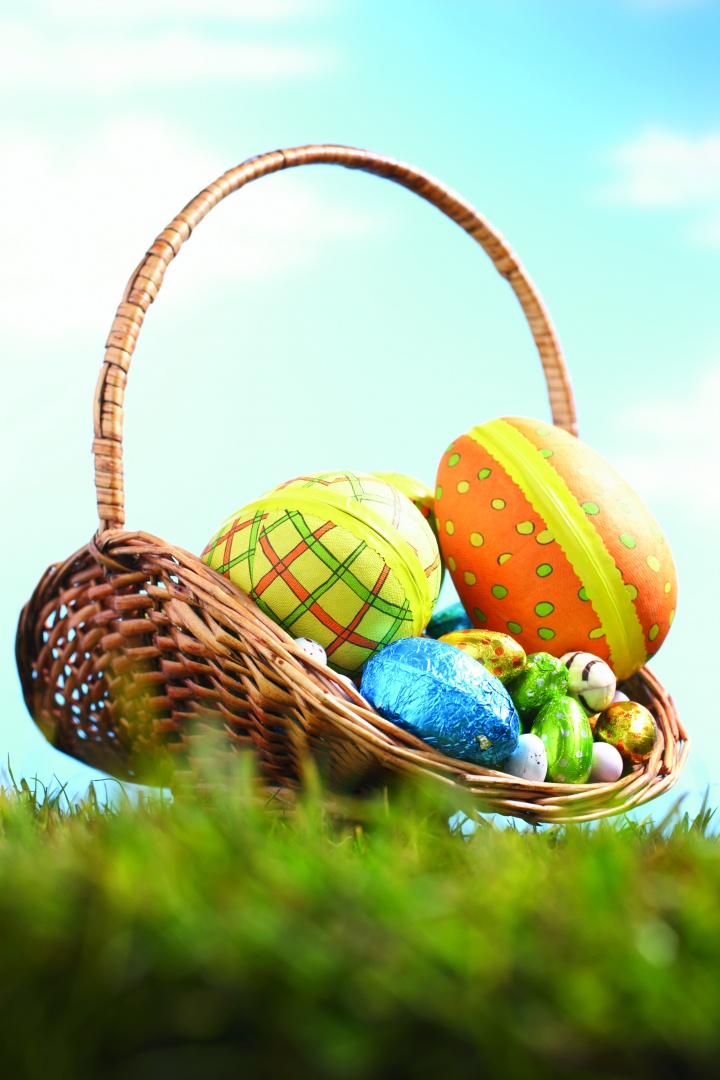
630 728
499 653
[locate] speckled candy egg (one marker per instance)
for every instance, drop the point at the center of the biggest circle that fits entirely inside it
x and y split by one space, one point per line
312 648
590 680
528 760
544 540
630 728
436 692
500 654
564 729
342 558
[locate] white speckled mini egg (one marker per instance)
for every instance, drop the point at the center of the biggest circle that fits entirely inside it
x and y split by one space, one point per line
312 648
529 759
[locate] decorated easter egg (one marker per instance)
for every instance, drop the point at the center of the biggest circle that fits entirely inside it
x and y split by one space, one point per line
342 558
590 680
421 496
545 541
543 678
528 760
499 653
607 764
564 729
448 620
630 728
312 648
416 491
436 692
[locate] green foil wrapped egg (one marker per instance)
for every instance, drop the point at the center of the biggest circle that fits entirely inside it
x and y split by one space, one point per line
630 728
500 654
565 731
544 678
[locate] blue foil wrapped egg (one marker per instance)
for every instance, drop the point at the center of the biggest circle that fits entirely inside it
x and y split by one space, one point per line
443 696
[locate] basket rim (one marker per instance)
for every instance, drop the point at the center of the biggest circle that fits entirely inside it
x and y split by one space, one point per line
217 614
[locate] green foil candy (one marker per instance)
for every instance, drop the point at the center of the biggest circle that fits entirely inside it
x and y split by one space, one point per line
448 620
545 677
564 728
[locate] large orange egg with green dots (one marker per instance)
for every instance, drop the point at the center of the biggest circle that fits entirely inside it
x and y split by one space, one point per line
545 541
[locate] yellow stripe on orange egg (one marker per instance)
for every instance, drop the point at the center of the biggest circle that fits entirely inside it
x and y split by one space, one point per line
566 520
629 531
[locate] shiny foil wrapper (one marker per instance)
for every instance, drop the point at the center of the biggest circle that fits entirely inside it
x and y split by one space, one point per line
565 732
446 698
499 653
544 678
447 621
630 728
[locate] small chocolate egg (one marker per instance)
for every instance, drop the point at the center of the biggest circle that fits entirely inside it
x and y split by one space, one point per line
543 678
500 654
607 765
443 696
528 760
630 728
312 648
448 620
564 729
590 680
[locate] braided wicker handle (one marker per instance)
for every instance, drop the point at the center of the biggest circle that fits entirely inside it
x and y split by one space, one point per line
145 283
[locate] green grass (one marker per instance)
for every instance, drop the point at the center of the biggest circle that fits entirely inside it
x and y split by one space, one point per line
223 939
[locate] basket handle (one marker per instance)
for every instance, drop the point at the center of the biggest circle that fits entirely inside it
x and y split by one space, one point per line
145 283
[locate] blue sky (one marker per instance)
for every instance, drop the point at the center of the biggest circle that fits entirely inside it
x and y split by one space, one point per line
326 319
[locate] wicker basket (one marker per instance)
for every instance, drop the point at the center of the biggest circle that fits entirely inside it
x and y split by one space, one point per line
133 652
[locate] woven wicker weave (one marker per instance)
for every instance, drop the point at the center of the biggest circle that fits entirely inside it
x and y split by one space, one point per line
132 652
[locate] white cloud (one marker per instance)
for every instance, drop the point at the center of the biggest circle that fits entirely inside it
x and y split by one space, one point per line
664 169
681 465
120 45
101 62
228 10
82 218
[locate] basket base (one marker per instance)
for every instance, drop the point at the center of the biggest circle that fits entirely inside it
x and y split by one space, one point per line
138 659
